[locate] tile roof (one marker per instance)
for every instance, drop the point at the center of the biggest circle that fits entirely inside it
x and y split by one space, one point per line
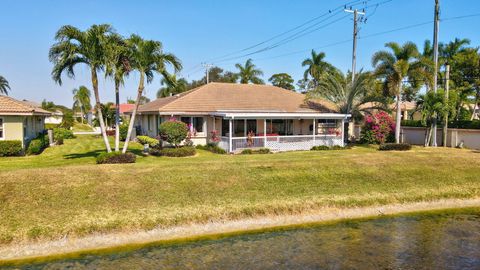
221 97
11 106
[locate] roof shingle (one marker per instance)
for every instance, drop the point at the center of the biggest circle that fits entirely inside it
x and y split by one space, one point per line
12 106
220 97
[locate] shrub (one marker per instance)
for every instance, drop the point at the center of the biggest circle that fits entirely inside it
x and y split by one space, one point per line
324 147
212 147
184 151
255 151
320 148
152 142
115 158
10 148
37 145
67 121
123 131
174 132
395 147
62 133
378 128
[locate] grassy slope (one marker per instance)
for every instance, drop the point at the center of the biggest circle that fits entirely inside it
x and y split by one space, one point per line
79 127
62 192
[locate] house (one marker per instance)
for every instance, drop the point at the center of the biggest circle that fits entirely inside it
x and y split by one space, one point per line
245 116
20 120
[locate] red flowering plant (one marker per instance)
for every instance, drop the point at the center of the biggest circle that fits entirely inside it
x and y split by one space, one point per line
214 138
378 128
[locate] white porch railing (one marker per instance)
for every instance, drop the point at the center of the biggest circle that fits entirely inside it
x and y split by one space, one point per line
281 143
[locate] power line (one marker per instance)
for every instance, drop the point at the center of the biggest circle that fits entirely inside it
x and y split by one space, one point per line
352 3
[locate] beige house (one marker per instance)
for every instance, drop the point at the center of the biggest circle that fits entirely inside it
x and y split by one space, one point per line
20 120
245 116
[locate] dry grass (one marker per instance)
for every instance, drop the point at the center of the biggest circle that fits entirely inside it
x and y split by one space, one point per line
62 192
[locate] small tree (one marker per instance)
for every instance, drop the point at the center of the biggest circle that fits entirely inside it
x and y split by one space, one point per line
378 128
174 132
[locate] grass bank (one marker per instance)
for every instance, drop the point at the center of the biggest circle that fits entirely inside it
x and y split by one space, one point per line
62 193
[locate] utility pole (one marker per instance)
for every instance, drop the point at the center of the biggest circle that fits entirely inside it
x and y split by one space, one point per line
447 88
355 34
207 70
435 70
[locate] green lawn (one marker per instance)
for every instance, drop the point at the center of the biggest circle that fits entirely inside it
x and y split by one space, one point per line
63 192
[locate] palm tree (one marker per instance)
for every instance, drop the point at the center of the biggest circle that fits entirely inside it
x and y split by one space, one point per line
449 50
403 61
117 67
4 86
172 86
282 80
81 100
316 66
82 47
147 57
355 98
249 73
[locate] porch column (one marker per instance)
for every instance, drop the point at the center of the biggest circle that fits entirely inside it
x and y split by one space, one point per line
244 127
214 120
230 135
265 132
314 128
343 132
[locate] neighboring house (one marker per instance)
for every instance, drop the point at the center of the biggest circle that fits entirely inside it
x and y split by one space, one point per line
56 118
20 120
247 115
124 108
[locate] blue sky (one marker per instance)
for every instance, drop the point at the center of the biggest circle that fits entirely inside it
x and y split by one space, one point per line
198 31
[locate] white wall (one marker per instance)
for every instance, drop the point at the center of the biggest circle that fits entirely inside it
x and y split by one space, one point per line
469 137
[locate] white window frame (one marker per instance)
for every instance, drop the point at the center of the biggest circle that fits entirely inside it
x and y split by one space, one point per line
2 126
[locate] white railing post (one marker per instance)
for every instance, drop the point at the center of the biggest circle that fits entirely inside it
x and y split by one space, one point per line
265 132
230 135
343 132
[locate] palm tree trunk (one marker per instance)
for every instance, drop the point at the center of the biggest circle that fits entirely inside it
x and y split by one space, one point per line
99 109
82 114
117 116
475 106
398 121
134 113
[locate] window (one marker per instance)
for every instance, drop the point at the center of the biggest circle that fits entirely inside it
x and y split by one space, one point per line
225 127
198 123
193 123
1 128
148 122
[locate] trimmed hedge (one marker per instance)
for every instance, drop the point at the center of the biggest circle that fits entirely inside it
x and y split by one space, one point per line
256 151
10 148
37 145
461 124
116 158
123 131
212 148
62 133
184 151
395 147
148 140
324 147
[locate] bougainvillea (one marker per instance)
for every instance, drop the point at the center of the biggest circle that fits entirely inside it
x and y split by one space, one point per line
378 128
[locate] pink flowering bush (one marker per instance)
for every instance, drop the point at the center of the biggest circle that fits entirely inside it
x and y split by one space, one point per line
378 129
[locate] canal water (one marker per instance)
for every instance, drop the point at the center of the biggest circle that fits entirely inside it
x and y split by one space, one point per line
446 240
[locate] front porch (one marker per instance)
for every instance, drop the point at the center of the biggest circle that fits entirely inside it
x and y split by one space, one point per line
281 132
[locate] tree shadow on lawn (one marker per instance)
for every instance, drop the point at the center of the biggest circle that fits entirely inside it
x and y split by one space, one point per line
95 153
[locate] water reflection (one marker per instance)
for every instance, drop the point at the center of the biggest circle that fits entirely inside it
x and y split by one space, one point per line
447 241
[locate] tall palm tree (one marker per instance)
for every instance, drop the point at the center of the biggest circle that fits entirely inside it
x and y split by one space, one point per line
147 58
172 86
4 86
75 47
81 100
449 50
316 66
249 73
355 98
117 67
402 61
